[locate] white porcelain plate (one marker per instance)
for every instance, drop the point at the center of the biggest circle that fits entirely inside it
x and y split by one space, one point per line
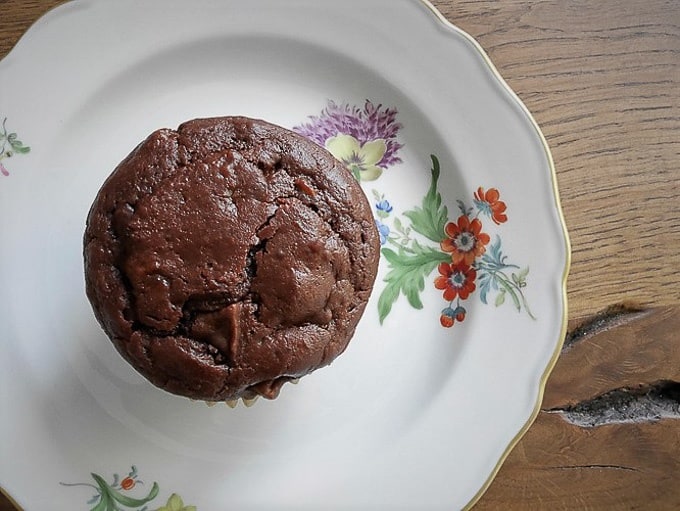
448 364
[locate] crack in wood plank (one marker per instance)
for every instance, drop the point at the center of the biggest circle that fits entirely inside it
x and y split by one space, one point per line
613 316
651 402
622 347
591 466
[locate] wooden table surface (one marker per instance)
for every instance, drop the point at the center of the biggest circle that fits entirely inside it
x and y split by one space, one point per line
602 78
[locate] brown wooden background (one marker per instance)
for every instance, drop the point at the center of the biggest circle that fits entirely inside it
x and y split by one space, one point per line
602 78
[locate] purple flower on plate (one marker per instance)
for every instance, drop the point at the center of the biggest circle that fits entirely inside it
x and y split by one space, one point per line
364 138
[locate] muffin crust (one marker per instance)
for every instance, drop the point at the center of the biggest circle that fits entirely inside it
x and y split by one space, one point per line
229 256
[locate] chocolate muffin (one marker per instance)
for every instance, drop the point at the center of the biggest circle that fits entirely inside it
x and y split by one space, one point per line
228 257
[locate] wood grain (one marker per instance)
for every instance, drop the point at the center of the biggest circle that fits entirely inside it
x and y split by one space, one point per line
617 465
602 78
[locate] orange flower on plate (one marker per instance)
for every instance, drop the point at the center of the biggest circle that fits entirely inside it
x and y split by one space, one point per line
450 315
465 240
456 280
488 202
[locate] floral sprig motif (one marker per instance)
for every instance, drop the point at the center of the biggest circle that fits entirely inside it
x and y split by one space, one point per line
382 211
460 250
114 495
111 496
364 139
9 146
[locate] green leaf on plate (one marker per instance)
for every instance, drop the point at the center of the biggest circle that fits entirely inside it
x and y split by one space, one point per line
408 269
430 218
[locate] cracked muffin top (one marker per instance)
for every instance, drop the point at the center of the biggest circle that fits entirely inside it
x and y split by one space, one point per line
228 257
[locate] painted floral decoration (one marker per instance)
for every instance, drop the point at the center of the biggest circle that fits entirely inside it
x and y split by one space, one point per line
115 496
365 139
10 145
362 160
424 239
465 240
382 209
456 279
461 251
175 503
490 204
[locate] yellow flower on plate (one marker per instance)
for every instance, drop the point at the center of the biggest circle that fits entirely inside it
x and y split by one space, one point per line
175 503
361 160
